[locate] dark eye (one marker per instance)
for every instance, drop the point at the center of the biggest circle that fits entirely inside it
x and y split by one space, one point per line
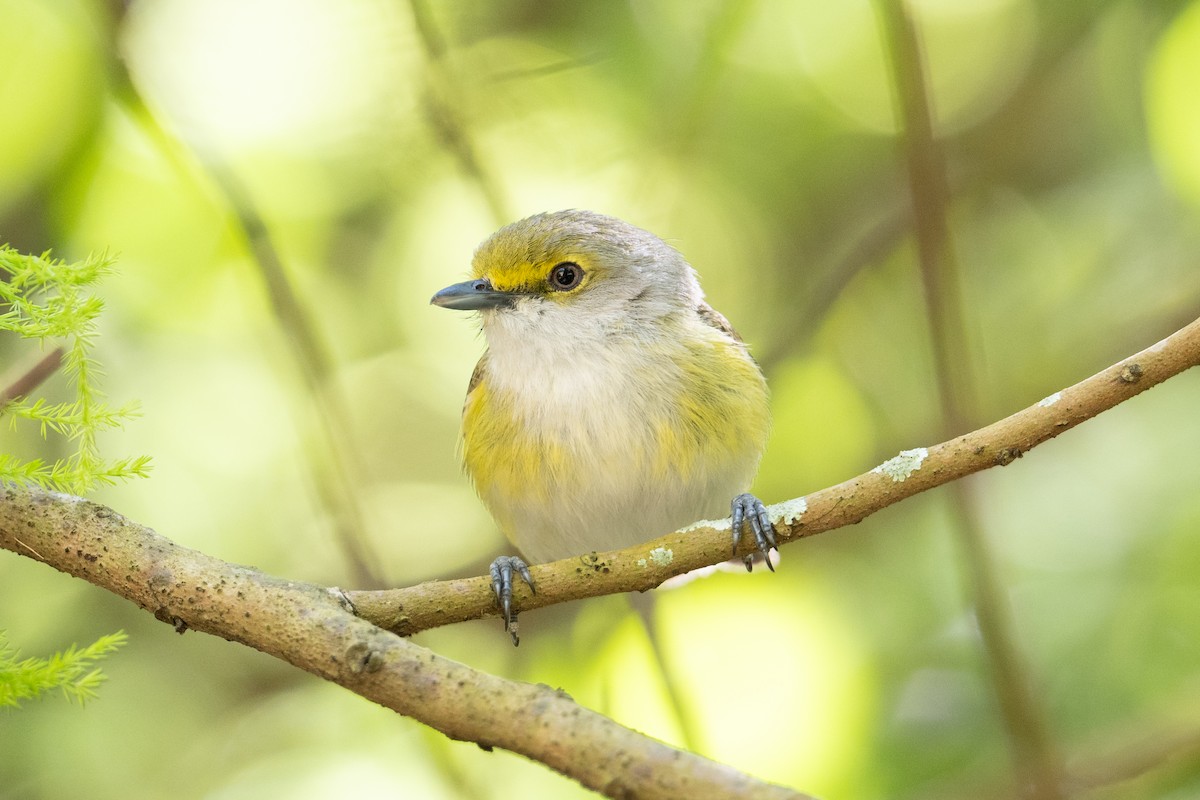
566 275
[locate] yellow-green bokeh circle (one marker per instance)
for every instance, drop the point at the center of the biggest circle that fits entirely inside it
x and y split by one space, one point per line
1173 105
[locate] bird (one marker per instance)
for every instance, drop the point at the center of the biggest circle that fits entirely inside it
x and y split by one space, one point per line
613 404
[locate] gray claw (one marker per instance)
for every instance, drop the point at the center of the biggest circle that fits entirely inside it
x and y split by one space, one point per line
748 509
502 586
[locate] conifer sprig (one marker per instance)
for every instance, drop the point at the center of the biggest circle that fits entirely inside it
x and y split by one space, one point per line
72 671
49 299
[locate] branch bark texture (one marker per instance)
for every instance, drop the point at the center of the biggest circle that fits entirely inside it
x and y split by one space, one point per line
312 628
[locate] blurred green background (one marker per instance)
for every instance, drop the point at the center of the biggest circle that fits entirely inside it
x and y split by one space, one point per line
380 141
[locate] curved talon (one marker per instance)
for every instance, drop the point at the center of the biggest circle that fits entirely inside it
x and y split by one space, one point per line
502 586
748 509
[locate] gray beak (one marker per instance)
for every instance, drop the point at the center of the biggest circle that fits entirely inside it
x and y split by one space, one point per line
475 295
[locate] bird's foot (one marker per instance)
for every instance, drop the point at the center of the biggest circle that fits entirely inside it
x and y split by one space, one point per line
502 586
749 511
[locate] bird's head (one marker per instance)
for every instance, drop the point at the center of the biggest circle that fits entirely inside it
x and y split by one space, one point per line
573 270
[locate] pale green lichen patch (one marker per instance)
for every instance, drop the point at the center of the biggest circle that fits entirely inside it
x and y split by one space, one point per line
715 524
900 467
1046 402
661 556
788 511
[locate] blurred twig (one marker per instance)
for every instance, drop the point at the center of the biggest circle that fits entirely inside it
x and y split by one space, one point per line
1038 764
31 378
338 472
1134 757
1130 752
687 103
443 99
867 247
636 569
334 464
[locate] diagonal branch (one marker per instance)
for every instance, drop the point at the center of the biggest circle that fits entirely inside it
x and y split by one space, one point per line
637 569
308 627
334 464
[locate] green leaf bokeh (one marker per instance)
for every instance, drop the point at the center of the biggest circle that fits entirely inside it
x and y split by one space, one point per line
380 141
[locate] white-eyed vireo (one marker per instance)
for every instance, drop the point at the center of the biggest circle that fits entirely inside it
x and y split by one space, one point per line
613 404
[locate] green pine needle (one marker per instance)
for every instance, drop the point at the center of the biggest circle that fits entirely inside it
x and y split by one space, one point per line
47 299
73 671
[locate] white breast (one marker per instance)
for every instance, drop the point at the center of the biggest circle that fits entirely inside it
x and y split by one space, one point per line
597 398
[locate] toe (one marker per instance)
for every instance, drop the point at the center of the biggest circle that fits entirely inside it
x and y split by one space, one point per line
749 511
738 520
501 572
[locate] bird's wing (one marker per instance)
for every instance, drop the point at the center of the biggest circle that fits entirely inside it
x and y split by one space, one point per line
710 316
476 378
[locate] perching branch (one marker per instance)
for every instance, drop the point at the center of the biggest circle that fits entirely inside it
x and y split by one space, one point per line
309 627
306 625
636 569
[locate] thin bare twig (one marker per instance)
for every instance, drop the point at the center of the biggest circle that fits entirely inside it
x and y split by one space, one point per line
866 247
1037 762
443 99
1134 756
1132 751
333 462
337 469
31 378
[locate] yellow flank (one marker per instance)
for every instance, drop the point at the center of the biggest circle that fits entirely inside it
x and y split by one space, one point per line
502 456
717 421
725 403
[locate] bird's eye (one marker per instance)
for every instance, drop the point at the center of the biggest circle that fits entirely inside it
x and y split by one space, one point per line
565 276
